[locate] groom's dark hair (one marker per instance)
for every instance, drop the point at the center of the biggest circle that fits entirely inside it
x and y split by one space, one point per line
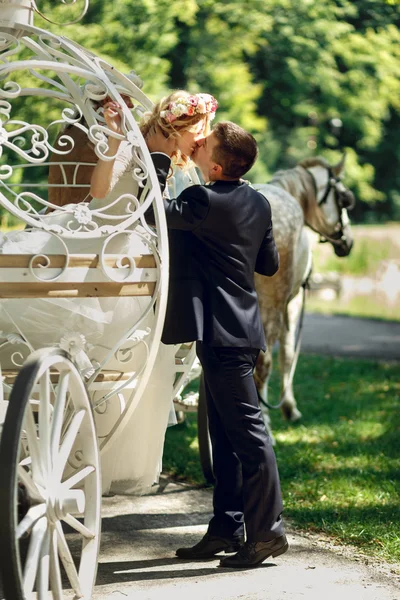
236 150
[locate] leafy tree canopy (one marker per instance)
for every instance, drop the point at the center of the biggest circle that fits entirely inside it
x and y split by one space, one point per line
304 77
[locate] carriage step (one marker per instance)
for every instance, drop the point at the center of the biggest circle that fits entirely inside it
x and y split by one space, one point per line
188 403
180 360
182 354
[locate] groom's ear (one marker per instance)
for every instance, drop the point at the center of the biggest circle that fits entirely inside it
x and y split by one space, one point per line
217 170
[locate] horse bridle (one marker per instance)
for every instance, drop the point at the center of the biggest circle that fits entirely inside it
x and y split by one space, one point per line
344 199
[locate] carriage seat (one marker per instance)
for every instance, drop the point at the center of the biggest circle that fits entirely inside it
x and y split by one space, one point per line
75 276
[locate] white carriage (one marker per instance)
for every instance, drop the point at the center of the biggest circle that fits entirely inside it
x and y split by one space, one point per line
59 378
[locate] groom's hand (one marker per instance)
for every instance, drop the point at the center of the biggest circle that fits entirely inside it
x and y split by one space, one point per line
157 142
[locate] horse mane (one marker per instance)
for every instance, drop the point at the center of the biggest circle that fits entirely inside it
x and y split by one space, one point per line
314 161
301 185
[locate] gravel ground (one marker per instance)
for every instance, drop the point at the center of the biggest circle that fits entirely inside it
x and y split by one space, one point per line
137 560
140 536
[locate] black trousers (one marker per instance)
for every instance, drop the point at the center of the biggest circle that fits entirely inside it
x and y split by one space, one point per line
247 490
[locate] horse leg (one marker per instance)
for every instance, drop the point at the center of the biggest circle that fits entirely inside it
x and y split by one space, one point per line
287 357
262 374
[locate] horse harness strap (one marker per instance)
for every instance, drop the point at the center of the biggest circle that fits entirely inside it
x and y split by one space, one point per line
323 237
338 237
332 181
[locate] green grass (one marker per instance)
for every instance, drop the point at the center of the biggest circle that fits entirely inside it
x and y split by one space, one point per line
340 468
358 306
372 246
364 259
375 247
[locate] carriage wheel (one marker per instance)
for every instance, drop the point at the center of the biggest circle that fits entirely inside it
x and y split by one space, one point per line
50 482
203 435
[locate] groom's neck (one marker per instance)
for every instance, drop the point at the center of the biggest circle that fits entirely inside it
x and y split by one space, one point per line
222 178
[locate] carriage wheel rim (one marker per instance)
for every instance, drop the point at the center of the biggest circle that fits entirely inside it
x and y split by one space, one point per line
56 492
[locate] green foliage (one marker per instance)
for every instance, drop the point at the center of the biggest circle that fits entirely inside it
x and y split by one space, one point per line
369 271
364 260
131 34
369 306
322 62
340 467
286 70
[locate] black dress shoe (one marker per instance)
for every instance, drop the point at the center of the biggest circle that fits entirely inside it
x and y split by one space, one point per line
252 554
209 546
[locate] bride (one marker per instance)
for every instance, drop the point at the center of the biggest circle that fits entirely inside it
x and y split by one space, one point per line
133 463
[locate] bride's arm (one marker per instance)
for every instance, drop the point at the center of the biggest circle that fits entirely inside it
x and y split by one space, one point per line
100 184
107 172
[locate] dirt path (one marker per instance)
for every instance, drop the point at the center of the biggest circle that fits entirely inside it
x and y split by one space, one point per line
348 336
137 560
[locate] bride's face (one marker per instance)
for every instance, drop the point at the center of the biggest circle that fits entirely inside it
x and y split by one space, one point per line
203 158
187 141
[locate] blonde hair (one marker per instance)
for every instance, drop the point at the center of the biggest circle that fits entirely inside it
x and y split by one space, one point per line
184 123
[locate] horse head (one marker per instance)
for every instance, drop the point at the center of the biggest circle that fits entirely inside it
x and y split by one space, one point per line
327 214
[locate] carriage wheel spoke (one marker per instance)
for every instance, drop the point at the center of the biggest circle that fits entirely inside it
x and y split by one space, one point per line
58 414
78 476
55 573
44 420
32 559
68 416
27 481
68 442
37 472
32 516
78 526
67 560
44 567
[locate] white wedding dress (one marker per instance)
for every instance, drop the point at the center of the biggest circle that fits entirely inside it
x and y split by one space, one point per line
133 463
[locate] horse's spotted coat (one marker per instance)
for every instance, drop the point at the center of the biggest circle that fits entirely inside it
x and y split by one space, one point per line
293 196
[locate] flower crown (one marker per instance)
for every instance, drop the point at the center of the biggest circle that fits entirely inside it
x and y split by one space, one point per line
198 104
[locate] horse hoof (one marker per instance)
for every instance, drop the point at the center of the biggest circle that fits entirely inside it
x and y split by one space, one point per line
295 415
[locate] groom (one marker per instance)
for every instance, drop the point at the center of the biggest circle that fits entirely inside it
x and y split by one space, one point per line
220 233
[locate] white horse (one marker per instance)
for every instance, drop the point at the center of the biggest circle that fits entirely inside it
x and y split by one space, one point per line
312 195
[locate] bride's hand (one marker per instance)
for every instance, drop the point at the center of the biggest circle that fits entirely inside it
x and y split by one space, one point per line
157 142
112 116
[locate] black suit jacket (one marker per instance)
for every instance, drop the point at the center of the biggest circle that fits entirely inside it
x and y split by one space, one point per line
219 235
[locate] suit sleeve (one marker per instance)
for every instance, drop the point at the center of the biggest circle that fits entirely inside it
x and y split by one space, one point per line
190 208
267 262
162 164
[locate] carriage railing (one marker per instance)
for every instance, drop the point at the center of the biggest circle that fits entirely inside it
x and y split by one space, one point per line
46 184
77 275
50 434
56 63
75 83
